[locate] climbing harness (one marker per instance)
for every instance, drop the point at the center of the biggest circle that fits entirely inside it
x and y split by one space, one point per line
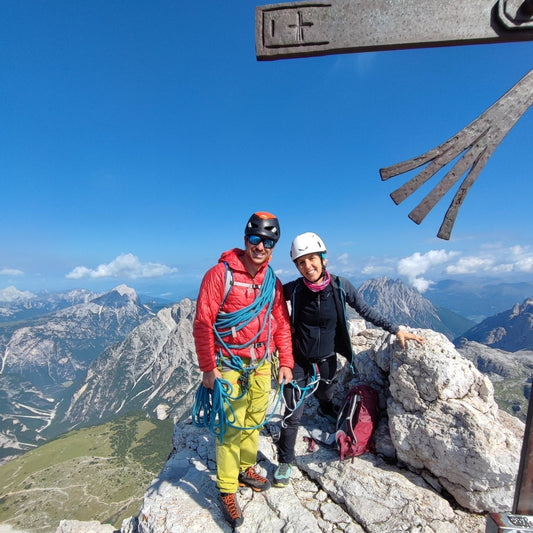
299 394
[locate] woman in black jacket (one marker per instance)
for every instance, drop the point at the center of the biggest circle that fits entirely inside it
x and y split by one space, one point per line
319 332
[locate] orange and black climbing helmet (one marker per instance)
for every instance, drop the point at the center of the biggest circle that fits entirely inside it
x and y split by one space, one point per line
263 224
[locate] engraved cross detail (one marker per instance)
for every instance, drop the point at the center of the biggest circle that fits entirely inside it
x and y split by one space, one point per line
300 27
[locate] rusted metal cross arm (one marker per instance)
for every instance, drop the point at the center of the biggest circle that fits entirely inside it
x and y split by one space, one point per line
301 29
474 144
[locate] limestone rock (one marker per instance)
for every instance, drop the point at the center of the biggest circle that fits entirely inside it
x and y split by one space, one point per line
366 495
441 434
443 418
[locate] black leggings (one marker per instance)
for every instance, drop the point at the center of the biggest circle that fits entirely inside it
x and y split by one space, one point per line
302 375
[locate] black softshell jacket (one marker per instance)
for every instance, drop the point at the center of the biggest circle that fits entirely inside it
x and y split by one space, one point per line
304 301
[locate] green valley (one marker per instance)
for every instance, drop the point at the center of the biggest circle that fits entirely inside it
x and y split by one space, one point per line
95 473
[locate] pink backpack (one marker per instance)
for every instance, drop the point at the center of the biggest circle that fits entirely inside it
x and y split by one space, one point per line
356 421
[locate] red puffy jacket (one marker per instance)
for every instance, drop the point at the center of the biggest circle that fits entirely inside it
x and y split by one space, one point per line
210 298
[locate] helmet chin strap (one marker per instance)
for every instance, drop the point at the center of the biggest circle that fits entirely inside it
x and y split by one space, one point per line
323 265
322 275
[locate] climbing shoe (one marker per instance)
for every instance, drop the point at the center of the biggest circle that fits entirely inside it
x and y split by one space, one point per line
282 475
230 508
329 411
250 478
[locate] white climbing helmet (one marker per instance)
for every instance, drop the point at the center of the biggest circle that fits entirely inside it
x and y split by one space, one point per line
307 243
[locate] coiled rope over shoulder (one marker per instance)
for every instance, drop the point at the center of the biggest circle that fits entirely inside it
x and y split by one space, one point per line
229 323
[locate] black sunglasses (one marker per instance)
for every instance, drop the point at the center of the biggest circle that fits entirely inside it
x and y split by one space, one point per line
254 240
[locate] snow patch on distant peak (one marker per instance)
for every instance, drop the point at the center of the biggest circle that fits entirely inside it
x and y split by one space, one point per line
124 290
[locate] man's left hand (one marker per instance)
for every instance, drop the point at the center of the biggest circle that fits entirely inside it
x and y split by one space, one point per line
285 373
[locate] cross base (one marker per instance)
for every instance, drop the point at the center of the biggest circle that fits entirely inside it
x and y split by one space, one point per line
509 523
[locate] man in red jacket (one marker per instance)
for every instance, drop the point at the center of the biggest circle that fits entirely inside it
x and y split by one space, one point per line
241 320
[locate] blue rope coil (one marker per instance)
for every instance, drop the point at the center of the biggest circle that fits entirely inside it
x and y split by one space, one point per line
213 410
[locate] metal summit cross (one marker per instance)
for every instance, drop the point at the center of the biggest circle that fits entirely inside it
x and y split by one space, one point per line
313 28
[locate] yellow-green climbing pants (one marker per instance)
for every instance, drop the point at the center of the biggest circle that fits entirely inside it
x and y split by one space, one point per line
238 450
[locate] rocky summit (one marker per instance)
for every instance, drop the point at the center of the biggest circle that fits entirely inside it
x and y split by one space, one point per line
153 369
445 456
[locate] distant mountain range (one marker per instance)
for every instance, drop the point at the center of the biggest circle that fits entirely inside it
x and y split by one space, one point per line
41 358
105 355
511 330
27 306
478 299
406 306
152 369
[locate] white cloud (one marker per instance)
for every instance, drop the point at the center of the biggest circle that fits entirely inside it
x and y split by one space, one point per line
523 258
11 294
10 272
421 284
343 259
471 265
416 265
495 261
126 266
377 270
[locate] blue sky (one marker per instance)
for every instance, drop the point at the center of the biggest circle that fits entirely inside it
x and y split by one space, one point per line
138 137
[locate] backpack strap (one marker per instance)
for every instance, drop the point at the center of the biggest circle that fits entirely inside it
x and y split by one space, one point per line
346 349
353 407
297 285
230 282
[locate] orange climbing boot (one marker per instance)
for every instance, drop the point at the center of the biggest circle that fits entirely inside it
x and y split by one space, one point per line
252 479
230 508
